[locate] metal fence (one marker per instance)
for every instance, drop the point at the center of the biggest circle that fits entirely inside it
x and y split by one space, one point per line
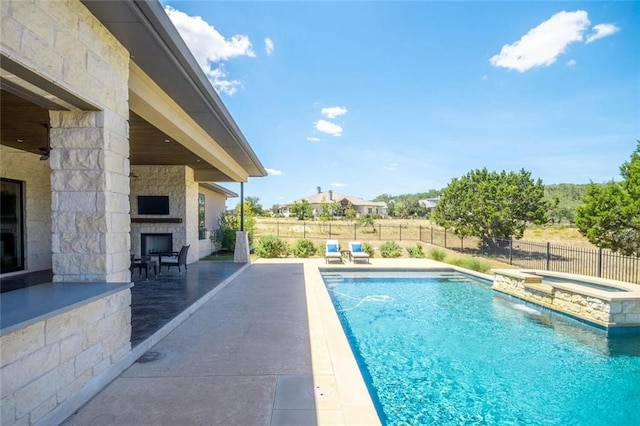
526 254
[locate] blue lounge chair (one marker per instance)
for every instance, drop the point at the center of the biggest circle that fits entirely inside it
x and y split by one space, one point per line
356 253
332 251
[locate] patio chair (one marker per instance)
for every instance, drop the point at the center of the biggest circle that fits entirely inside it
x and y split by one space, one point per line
356 253
332 251
175 258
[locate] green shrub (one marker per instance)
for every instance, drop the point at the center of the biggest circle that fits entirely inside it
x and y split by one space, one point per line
416 251
228 239
472 263
269 246
368 248
437 254
390 249
304 248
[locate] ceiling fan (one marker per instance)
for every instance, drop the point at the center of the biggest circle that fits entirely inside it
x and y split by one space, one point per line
44 152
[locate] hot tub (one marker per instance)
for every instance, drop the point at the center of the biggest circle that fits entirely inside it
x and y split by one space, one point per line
612 305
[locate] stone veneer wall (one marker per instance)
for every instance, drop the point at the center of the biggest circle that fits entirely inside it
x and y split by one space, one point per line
603 311
63 42
178 183
532 290
45 363
27 167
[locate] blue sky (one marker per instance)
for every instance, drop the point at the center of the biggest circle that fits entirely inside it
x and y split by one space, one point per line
367 98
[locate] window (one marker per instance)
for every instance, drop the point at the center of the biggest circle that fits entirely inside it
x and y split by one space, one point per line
201 221
12 226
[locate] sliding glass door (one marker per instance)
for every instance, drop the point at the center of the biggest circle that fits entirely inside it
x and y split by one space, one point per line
11 226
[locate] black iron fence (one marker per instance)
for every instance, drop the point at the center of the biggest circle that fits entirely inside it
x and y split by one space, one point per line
526 254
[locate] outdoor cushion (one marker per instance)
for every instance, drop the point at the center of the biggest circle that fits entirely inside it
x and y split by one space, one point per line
332 248
356 247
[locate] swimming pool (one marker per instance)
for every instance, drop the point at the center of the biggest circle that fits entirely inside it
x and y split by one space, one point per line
443 348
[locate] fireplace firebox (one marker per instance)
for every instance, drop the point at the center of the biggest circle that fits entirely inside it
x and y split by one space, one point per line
155 243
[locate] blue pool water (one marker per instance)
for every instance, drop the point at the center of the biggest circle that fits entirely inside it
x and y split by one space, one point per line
443 348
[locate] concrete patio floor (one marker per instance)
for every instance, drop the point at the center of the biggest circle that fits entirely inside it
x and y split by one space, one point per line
266 348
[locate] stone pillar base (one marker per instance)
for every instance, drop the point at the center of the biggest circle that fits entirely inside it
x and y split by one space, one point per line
241 253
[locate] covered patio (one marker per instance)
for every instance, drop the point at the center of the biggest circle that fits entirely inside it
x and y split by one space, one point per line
112 138
155 302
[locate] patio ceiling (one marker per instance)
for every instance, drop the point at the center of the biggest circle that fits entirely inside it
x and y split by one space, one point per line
23 126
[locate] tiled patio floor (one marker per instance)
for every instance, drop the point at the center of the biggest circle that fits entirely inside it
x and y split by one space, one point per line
265 349
156 301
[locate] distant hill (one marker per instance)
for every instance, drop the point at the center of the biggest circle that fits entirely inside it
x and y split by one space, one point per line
567 196
407 205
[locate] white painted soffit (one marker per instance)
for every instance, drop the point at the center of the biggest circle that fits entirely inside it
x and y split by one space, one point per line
150 102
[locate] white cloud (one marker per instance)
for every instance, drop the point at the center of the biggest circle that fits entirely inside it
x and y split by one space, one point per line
390 166
544 43
268 45
333 112
274 172
220 82
338 184
209 47
601 31
328 127
571 63
313 139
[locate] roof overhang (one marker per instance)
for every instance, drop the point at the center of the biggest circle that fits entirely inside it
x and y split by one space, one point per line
158 51
218 189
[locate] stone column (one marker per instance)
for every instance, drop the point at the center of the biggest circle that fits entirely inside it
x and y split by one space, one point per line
241 253
90 196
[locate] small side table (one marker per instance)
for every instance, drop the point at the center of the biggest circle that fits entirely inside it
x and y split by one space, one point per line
145 263
345 254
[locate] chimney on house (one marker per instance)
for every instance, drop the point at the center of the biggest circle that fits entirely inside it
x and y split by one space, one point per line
330 195
319 190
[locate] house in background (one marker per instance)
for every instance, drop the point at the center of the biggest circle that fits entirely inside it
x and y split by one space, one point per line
429 204
361 206
111 135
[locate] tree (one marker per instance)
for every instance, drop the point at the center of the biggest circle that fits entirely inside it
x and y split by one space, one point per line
229 223
254 204
325 212
408 204
368 220
609 215
329 209
336 208
400 209
302 210
491 205
350 213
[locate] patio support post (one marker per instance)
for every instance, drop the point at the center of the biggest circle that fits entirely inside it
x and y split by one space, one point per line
90 195
242 206
241 252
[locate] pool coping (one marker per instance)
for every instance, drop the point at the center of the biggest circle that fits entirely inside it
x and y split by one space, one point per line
331 353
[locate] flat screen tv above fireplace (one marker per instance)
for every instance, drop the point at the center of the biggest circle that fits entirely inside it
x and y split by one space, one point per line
153 204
